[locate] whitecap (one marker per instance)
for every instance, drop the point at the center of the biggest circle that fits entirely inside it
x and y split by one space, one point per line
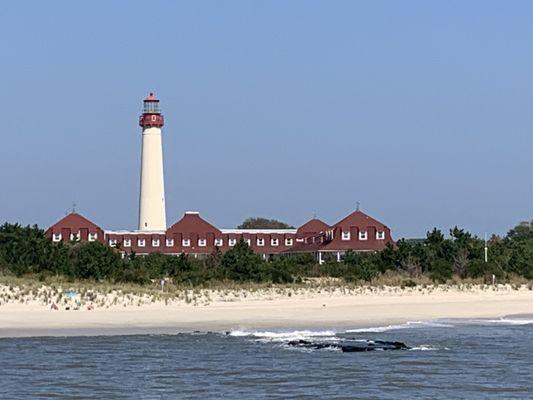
426 347
281 336
504 321
407 325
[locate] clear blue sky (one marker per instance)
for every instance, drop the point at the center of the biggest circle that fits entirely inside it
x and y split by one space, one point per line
420 110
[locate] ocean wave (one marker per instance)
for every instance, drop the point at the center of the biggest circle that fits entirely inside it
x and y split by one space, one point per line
427 347
502 321
281 336
407 325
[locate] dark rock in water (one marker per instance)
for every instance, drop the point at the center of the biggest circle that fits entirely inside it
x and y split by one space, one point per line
351 346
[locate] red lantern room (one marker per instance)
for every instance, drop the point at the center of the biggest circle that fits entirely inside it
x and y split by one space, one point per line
151 116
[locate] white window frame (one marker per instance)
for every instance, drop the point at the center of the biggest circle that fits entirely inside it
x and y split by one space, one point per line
156 242
141 242
92 237
248 242
127 243
219 242
346 235
232 242
186 242
113 242
260 242
169 242
56 237
301 240
274 242
288 241
380 235
363 235
202 242
75 236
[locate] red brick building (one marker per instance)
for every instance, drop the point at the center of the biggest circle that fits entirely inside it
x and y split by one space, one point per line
194 235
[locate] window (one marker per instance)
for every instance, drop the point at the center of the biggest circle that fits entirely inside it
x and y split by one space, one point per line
92 237
141 243
345 235
260 242
363 235
248 242
380 235
232 242
202 242
56 237
288 242
169 242
186 242
113 242
75 236
219 242
298 240
155 243
274 242
127 243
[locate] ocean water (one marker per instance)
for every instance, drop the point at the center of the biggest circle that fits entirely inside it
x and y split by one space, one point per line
459 359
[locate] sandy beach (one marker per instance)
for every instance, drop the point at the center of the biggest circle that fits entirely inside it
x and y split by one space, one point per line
275 308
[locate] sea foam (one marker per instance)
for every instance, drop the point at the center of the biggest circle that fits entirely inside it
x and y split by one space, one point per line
283 336
407 325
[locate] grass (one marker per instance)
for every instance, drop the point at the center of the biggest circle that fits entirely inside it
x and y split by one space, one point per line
107 294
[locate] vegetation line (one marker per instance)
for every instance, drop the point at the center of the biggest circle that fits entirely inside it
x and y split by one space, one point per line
26 252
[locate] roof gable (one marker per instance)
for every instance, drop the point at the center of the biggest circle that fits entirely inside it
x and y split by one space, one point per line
312 226
191 222
74 222
358 218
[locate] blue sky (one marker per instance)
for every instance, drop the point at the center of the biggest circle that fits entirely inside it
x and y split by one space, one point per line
419 110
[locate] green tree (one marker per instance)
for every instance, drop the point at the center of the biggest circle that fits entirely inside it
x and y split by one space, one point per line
263 223
241 264
521 231
93 260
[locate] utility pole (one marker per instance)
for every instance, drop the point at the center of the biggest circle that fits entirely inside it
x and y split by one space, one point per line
486 249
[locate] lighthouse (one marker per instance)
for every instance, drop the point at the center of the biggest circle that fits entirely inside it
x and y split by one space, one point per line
152 216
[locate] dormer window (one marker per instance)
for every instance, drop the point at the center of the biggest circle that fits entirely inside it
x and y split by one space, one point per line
202 242
169 242
56 237
92 237
288 242
363 235
155 243
274 242
113 242
232 242
75 236
219 242
141 242
127 243
186 242
380 235
345 235
260 242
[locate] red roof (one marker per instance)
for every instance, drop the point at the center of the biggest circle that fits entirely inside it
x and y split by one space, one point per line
193 223
359 219
353 223
74 222
312 226
151 97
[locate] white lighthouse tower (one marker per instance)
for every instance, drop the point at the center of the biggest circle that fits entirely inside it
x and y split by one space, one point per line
152 216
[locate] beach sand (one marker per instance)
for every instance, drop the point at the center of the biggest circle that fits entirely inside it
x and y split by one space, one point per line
264 309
